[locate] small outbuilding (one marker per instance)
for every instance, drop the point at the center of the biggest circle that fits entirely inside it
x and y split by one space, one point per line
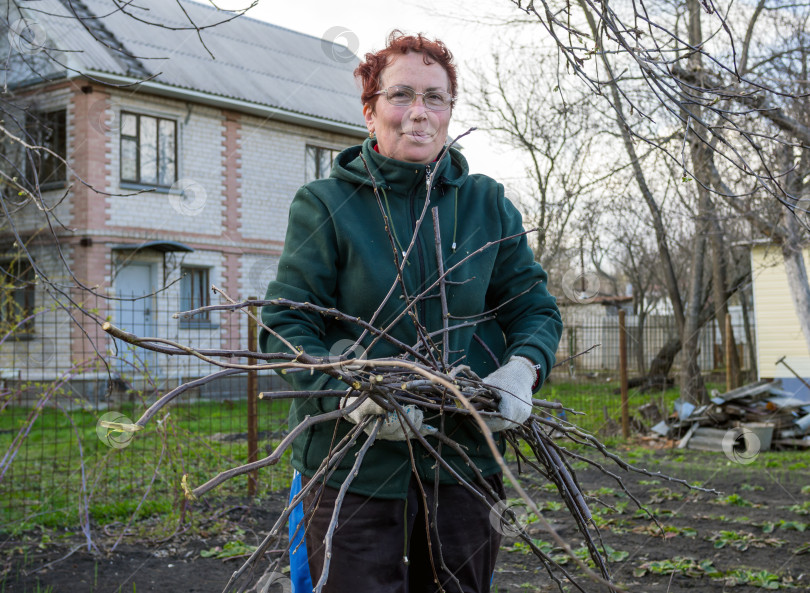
780 344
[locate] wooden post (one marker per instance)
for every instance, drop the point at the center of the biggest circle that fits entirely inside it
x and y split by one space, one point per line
572 350
623 375
252 408
730 382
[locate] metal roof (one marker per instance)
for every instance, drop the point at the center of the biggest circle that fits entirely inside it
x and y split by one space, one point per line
253 61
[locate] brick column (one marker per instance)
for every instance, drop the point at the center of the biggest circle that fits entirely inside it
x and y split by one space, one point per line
89 149
231 159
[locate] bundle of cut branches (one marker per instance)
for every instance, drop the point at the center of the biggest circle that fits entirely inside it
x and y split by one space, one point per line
394 383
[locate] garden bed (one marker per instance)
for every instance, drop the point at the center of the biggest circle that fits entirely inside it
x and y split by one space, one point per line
755 535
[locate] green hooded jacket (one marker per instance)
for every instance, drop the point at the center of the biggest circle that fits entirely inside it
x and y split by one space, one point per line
337 254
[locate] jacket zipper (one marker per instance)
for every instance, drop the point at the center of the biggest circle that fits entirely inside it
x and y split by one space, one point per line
419 250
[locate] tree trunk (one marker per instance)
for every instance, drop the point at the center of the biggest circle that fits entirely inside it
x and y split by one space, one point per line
794 239
749 335
692 388
720 295
797 275
799 287
641 361
660 366
663 361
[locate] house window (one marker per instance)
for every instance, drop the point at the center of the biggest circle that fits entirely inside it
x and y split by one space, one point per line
46 130
16 295
319 162
148 150
194 292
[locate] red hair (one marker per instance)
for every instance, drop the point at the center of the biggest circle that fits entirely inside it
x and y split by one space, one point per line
433 51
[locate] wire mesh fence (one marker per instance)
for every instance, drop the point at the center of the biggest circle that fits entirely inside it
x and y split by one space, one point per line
59 378
645 339
589 383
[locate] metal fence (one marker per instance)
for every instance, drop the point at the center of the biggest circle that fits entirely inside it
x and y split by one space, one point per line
600 334
590 383
59 378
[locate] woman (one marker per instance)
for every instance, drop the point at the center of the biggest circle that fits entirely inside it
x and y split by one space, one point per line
338 254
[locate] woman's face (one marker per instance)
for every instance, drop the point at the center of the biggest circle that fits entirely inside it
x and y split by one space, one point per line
410 133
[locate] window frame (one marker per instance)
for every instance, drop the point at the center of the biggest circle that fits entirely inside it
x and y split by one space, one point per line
188 275
139 182
10 274
317 151
37 123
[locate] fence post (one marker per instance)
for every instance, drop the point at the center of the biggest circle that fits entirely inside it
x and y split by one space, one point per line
623 375
252 394
730 382
572 350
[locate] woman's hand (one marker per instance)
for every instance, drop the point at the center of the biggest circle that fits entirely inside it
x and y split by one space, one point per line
392 429
514 382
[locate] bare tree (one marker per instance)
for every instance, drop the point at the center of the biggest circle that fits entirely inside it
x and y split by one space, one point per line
516 100
720 75
636 259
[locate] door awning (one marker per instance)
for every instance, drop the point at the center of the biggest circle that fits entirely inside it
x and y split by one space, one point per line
161 246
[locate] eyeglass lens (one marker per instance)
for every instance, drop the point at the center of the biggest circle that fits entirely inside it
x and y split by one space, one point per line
403 95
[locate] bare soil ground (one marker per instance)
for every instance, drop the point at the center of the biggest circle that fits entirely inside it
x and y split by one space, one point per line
759 527
696 525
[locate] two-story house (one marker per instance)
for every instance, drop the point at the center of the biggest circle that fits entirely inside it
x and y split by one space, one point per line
186 133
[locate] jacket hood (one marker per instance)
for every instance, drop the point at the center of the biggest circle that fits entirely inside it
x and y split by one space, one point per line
348 166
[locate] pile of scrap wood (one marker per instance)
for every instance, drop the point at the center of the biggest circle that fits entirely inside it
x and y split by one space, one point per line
776 417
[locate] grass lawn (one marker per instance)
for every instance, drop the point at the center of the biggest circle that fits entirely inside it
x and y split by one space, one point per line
63 466
599 400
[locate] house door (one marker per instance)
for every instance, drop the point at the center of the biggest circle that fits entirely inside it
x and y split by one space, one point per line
135 315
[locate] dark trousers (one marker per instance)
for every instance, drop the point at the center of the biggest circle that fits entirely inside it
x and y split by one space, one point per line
381 545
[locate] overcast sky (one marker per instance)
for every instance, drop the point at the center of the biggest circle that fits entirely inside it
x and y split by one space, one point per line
363 25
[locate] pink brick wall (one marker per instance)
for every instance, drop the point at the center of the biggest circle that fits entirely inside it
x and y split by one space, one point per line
231 152
89 156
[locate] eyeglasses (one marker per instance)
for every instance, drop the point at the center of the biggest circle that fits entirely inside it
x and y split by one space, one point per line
404 96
